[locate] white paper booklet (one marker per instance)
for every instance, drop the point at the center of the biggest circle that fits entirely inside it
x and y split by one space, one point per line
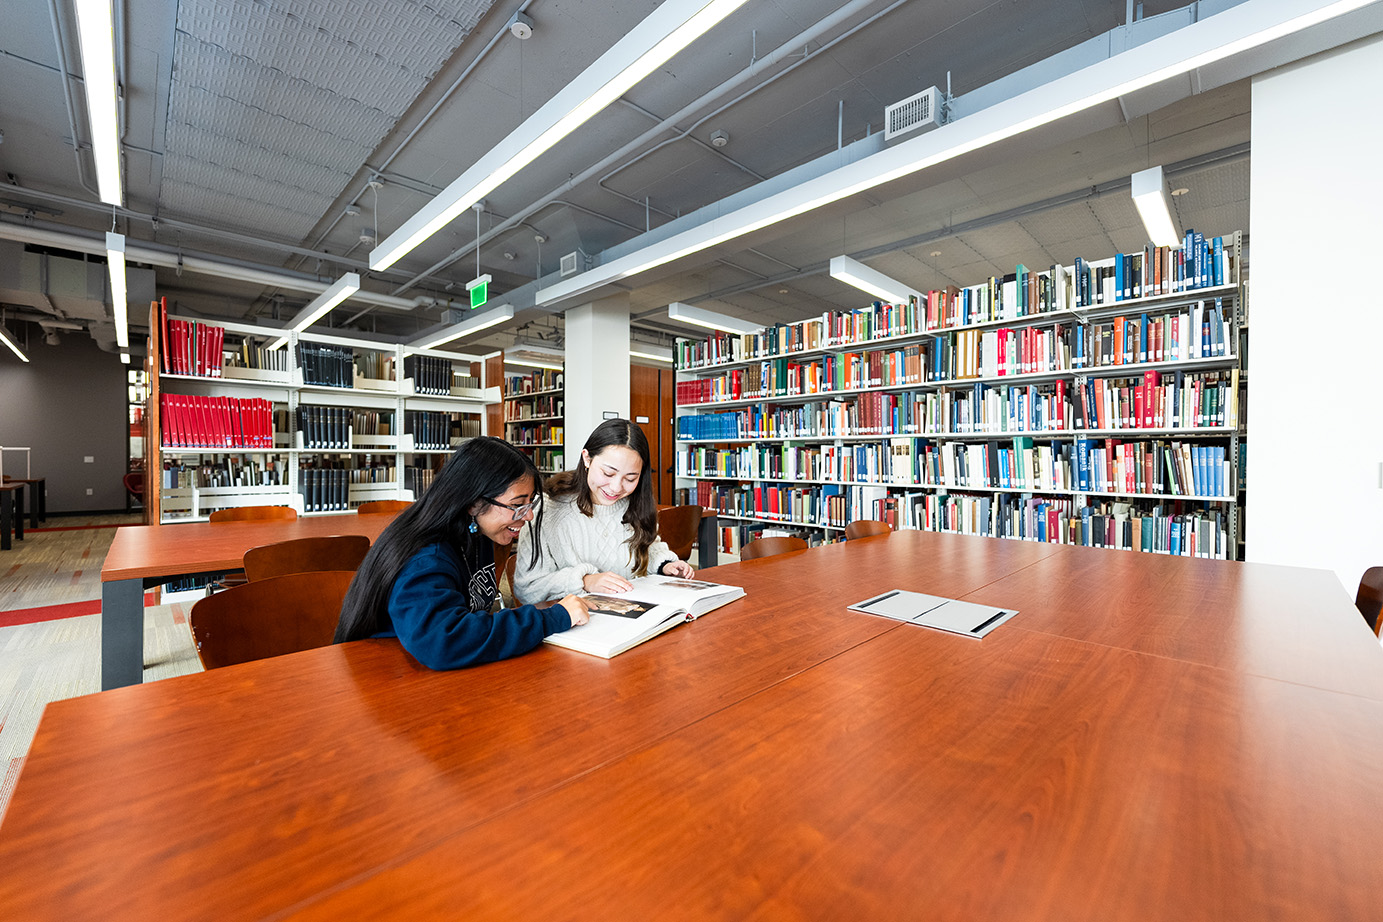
968 618
654 604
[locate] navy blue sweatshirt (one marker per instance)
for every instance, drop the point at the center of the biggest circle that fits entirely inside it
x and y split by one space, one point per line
439 609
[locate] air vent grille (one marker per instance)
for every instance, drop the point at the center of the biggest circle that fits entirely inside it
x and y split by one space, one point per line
920 111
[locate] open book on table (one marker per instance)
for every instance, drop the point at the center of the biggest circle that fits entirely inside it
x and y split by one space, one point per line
654 604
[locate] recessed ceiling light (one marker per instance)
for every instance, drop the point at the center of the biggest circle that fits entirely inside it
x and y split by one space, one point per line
1181 191
782 291
935 253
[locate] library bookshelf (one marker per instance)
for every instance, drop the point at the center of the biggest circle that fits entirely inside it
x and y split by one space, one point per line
534 415
1075 405
322 425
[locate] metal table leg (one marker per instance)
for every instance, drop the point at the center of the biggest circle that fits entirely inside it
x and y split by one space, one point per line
122 633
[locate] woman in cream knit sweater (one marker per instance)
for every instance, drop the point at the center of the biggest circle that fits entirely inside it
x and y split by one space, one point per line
600 524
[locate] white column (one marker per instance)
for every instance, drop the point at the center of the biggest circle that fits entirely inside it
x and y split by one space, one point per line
1315 465
597 372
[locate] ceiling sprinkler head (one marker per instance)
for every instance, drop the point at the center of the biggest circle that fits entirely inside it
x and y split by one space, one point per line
719 138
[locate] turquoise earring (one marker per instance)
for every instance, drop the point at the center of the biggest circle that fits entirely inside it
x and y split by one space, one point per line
473 528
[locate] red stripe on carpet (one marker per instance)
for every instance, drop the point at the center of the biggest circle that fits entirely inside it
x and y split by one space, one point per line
56 612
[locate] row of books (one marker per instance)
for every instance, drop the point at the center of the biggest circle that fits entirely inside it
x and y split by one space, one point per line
326 366
1175 468
231 471
190 347
1160 528
961 356
325 427
542 379
215 422
417 479
324 489
431 429
1155 271
431 374
1179 400
820 506
537 434
540 407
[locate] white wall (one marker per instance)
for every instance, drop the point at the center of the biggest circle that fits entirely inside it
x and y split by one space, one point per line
597 372
1315 465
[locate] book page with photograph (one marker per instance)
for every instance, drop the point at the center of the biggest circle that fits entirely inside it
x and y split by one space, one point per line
655 604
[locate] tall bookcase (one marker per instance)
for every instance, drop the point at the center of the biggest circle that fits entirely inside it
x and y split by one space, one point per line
534 414
1074 404
331 423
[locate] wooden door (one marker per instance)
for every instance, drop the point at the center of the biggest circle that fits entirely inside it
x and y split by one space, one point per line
651 401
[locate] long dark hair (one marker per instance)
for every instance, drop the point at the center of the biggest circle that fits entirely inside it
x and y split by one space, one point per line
642 513
482 468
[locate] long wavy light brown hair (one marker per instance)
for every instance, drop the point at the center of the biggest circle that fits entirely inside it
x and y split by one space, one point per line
642 512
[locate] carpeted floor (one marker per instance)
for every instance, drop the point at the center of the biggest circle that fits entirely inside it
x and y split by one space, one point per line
50 630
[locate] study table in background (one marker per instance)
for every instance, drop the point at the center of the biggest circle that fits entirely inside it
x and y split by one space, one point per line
142 556
1150 738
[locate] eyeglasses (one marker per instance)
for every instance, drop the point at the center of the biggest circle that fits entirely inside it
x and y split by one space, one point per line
518 511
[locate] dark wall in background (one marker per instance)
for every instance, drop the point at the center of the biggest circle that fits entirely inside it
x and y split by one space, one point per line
68 404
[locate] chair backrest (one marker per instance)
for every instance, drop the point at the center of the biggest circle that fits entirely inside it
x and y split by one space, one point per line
863 528
677 526
1369 599
384 505
269 617
250 513
302 555
767 547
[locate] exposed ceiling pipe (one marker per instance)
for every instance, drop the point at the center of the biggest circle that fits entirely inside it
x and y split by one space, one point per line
244 239
790 47
157 255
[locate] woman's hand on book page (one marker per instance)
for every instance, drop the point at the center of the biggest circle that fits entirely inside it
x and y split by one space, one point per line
576 608
678 568
605 582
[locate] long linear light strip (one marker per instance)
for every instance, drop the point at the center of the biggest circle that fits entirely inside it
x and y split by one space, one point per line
474 324
119 294
340 290
871 281
701 317
525 363
95 27
664 32
1194 46
651 357
8 339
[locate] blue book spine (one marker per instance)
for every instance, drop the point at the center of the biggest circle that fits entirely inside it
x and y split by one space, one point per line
1083 464
1119 277
1143 339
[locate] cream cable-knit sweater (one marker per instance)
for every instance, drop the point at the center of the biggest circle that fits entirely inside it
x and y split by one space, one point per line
575 545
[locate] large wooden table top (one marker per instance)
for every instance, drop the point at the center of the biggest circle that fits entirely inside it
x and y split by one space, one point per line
1149 738
140 551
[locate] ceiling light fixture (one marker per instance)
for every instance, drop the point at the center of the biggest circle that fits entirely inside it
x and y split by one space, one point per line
710 319
1215 38
318 307
663 33
650 356
1150 197
470 325
8 338
119 294
853 272
95 26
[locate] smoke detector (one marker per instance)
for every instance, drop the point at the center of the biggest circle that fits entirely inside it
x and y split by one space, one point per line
367 236
521 26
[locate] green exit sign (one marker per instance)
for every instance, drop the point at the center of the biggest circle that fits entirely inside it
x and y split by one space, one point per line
480 290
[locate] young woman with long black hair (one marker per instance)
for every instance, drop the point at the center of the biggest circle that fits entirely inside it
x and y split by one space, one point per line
601 526
430 577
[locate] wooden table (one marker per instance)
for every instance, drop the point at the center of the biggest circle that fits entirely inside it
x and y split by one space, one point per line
147 555
1149 738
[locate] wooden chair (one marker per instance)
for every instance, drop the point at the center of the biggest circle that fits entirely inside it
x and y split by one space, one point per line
303 555
250 513
863 528
677 526
384 505
767 547
269 617
1369 599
